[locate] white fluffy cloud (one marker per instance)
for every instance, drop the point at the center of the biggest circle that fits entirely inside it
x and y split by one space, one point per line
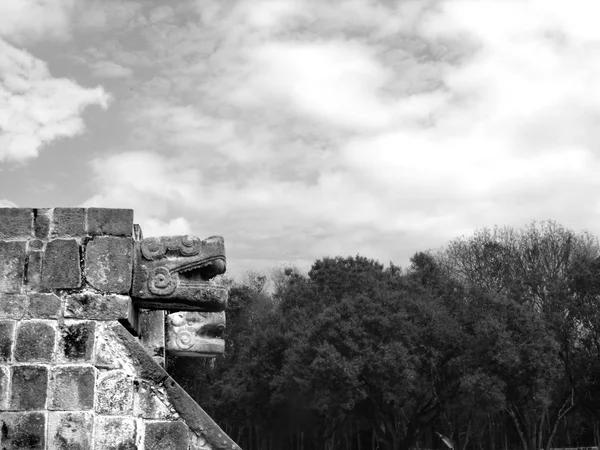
28 21
36 108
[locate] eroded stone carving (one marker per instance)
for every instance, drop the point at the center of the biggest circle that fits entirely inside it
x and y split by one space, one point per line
174 273
195 334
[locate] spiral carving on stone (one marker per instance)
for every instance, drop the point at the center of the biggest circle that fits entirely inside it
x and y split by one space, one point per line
190 245
153 248
162 282
184 339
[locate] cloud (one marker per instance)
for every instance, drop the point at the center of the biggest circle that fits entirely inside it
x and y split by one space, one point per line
36 108
5 203
109 69
304 128
28 21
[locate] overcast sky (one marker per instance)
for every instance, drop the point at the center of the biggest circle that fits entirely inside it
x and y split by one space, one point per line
309 128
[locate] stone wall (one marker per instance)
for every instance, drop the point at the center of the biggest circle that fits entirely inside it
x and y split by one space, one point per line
73 371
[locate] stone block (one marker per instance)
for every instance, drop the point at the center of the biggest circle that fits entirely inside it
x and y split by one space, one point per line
68 222
150 402
76 341
115 433
166 436
16 223
12 255
29 386
152 333
33 276
7 331
106 356
108 263
22 430
4 377
88 305
114 393
70 430
115 222
72 388
61 266
43 306
13 306
35 245
34 342
41 222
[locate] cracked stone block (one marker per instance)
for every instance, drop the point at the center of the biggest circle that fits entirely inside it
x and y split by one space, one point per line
29 385
22 430
41 223
166 436
61 267
68 222
87 305
16 223
76 341
12 255
72 388
34 341
115 222
115 433
12 306
108 263
114 393
70 430
7 328
43 306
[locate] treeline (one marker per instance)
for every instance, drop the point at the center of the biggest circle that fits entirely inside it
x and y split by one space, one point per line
491 343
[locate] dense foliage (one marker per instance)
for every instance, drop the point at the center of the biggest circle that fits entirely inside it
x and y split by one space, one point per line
492 343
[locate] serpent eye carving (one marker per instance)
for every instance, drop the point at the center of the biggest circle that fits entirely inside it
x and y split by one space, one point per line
161 282
184 339
190 245
153 248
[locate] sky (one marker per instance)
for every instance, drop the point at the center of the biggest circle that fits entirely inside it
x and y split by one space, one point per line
299 129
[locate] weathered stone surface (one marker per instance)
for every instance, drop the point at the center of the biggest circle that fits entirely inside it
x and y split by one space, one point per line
152 333
195 333
76 341
43 306
13 306
34 271
61 267
34 342
166 436
21 430
150 402
115 222
88 305
29 386
16 223
4 377
72 388
12 255
7 329
173 273
41 223
115 433
114 393
70 430
68 222
34 245
108 263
